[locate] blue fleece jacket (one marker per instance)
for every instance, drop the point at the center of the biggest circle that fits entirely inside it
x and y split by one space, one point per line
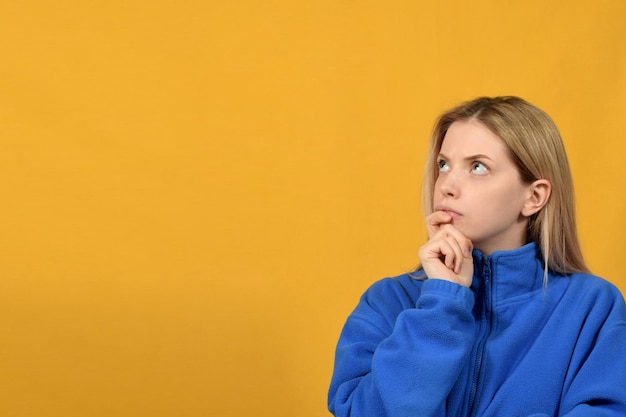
506 346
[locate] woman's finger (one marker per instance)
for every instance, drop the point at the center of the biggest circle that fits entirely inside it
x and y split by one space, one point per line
442 252
464 243
454 259
448 230
435 220
448 253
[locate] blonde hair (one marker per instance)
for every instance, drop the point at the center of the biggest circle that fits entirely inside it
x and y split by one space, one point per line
536 147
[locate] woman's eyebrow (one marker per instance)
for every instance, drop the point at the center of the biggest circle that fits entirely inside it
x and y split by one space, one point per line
468 158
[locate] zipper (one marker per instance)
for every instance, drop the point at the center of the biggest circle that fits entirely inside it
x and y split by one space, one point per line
480 351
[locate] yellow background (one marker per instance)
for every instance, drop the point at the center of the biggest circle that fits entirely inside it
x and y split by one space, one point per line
195 193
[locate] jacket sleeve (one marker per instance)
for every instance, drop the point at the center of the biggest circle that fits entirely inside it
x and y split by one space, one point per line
394 360
598 387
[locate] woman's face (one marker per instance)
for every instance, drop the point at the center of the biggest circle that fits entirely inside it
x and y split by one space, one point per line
480 187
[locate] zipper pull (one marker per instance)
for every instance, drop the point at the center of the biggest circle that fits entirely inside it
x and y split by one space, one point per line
486 270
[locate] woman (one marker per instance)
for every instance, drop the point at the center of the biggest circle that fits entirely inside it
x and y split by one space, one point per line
503 318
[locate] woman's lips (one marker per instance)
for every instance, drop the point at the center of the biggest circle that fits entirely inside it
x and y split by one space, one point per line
452 213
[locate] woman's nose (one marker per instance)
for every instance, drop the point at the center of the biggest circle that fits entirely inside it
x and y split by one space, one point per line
448 184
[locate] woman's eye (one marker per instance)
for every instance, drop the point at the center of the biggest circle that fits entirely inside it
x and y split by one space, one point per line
479 168
443 166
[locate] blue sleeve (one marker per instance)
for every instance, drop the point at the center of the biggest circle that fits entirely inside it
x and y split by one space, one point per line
395 360
597 384
599 387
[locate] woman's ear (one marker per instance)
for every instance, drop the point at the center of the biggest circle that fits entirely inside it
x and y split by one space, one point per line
538 195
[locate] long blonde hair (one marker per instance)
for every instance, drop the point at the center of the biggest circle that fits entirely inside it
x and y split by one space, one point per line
536 147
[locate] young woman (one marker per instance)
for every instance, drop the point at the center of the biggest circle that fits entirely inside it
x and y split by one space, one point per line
503 318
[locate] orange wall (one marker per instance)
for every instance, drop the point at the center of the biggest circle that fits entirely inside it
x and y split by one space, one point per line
195 193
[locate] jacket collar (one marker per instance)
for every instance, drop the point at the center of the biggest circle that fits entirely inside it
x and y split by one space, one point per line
508 274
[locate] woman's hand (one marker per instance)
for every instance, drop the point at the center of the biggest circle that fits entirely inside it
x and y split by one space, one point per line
448 253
